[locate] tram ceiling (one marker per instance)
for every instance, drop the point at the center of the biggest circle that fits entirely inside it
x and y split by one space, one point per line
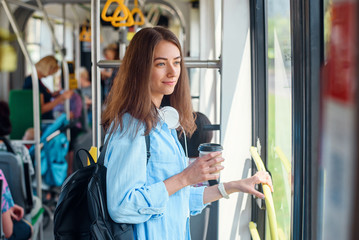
169 7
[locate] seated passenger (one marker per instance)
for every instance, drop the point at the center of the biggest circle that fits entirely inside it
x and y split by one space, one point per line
48 100
5 129
13 223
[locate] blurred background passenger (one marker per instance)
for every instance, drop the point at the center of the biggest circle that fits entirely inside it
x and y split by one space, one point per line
111 52
45 67
13 224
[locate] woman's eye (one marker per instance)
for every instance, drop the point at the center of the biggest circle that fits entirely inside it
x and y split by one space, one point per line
177 62
160 64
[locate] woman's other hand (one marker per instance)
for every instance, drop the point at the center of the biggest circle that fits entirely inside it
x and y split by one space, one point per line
17 212
66 94
203 168
248 185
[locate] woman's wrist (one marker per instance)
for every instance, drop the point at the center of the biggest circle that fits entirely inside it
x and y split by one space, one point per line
183 179
231 187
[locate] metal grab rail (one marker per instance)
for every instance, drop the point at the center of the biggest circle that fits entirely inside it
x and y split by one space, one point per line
268 196
188 63
96 77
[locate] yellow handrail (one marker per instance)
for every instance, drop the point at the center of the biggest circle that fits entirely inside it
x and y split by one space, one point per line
253 230
268 196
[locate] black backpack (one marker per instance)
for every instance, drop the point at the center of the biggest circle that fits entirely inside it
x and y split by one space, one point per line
81 212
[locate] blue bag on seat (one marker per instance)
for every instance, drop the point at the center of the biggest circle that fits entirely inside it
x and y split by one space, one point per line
54 151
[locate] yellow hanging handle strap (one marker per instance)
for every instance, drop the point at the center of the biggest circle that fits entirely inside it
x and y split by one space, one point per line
267 194
116 17
137 10
85 35
129 21
126 20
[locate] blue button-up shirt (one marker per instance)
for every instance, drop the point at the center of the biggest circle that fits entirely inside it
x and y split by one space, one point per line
135 189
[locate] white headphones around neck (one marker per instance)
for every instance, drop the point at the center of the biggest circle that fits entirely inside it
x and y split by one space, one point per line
170 116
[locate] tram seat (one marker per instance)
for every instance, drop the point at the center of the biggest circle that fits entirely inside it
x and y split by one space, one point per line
14 171
21 112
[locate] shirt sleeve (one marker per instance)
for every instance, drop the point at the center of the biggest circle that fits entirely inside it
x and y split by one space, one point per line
6 199
129 199
196 200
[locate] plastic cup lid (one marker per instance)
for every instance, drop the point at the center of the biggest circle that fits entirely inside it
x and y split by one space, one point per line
210 147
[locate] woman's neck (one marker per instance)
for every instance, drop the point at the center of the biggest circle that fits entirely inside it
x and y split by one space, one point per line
157 101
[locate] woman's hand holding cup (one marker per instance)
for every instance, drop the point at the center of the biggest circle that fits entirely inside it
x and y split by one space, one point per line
204 168
206 148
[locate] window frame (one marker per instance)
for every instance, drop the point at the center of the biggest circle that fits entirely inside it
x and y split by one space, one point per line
307 43
308 48
258 33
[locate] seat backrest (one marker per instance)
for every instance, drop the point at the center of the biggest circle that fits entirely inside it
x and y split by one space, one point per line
21 112
13 170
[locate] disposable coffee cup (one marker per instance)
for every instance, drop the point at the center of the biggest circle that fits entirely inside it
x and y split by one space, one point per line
206 148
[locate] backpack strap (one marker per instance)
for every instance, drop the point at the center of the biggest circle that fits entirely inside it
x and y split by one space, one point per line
101 158
7 144
148 144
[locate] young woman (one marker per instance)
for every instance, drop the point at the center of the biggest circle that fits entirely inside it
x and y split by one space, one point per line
156 195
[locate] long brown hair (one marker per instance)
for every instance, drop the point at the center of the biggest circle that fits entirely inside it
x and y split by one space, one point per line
131 91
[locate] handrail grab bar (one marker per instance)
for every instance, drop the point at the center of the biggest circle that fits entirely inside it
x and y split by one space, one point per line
268 195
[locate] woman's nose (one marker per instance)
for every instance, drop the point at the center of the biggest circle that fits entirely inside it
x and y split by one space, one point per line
171 70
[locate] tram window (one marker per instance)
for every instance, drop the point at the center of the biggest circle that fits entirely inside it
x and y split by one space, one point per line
279 109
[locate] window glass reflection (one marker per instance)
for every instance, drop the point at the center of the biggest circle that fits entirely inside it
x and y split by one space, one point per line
279 110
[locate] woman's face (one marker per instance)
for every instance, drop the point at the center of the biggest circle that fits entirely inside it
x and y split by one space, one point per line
165 71
110 54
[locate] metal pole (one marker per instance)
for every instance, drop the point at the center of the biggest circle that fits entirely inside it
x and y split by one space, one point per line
65 67
96 78
77 45
35 99
188 63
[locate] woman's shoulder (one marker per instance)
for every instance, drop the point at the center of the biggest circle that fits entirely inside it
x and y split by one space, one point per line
130 126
